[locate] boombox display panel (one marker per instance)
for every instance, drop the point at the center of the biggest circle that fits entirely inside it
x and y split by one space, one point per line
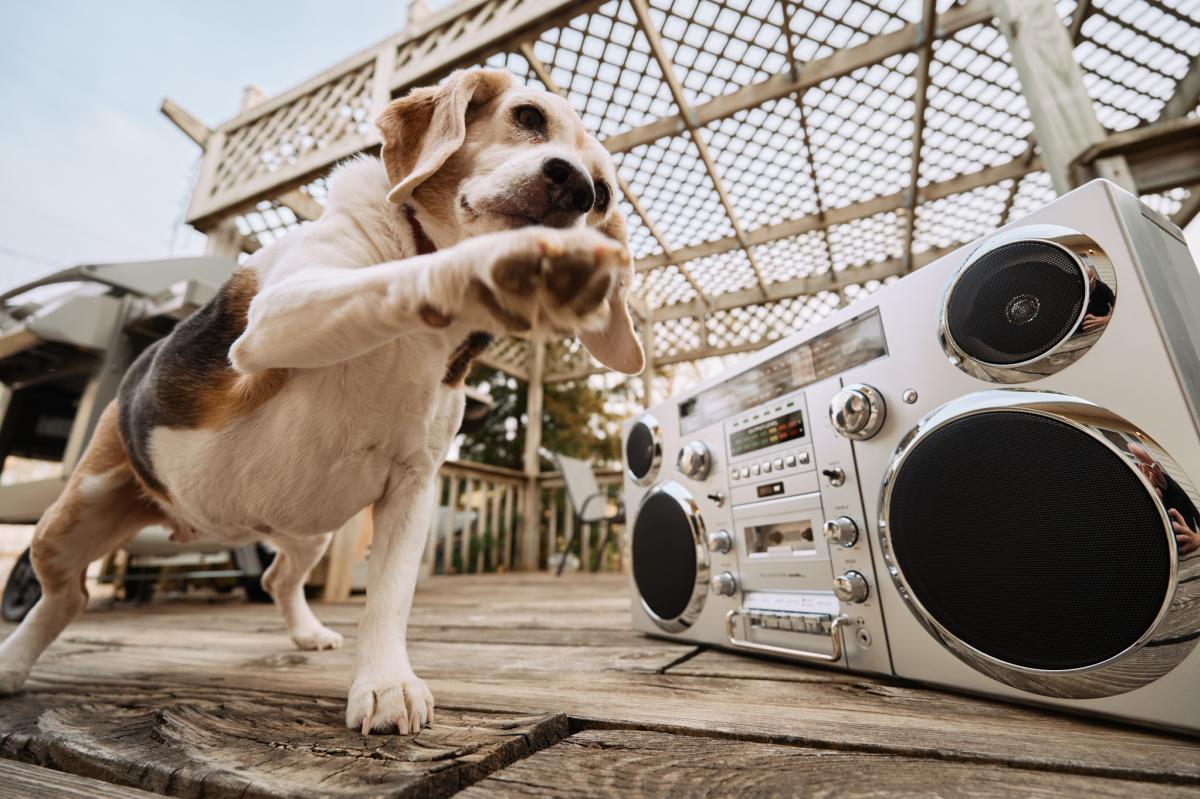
980 477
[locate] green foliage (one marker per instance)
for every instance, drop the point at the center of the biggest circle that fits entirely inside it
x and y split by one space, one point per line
575 421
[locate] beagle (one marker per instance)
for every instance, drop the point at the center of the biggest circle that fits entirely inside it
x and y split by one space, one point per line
327 373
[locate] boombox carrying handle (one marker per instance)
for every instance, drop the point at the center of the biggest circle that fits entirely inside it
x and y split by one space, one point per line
834 634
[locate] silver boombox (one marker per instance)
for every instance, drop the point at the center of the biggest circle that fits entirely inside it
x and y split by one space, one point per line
977 478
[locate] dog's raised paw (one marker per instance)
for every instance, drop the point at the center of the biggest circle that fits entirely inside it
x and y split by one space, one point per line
319 638
556 278
400 706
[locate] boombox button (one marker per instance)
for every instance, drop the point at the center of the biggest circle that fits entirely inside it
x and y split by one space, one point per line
766 467
803 456
778 464
790 460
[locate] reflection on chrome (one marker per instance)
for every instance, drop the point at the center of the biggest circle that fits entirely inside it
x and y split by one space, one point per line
1176 630
1022 308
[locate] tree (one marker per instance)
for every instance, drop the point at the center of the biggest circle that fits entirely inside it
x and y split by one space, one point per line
576 421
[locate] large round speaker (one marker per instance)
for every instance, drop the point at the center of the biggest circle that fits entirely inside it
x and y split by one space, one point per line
643 450
1030 538
670 562
1019 298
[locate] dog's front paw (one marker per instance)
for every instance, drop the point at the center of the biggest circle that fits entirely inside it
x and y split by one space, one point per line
549 278
12 679
402 705
319 637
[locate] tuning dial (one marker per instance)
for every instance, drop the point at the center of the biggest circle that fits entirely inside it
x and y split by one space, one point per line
720 542
694 460
857 411
723 584
841 531
851 587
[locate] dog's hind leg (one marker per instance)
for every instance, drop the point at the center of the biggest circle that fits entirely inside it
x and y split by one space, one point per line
284 581
101 507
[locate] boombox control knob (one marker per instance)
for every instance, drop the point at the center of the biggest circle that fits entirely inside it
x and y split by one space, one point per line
723 584
694 460
857 411
851 587
720 542
842 531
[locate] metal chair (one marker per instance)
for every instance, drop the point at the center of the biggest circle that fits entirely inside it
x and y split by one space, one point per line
589 504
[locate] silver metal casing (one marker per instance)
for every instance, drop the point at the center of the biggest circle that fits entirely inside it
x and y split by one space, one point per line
1139 373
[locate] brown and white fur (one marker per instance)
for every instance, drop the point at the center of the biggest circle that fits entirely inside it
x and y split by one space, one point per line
326 375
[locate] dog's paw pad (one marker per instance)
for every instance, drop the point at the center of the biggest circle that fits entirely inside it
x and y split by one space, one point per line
516 275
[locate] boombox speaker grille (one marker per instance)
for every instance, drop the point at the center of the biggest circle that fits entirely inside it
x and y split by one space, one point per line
639 450
1016 303
1029 540
664 556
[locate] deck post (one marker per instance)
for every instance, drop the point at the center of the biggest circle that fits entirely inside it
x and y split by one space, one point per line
531 524
1064 120
649 372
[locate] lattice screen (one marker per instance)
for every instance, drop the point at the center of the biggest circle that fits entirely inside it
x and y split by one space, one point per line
742 195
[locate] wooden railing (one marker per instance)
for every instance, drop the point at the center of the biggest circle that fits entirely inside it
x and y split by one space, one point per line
477 525
558 524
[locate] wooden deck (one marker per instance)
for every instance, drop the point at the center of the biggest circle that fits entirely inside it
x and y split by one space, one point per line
542 690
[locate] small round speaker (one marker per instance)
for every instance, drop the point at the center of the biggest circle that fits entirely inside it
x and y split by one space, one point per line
670 565
1016 303
1027 303
643 450
1028 536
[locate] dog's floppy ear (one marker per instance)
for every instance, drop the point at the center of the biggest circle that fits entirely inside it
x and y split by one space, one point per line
617 345
424 128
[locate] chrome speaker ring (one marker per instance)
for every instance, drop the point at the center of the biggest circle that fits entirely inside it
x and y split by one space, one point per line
691 511
1166 642
1093 263
656 437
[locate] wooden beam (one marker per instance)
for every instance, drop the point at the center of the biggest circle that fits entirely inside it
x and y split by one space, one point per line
641 9
534 404
1160 156
924 57
1191 206
1014 169
805 286
191 126
1186 95
301 204
841 62
1064 119
1082 11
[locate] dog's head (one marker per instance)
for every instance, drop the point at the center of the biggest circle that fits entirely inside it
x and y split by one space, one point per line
479 154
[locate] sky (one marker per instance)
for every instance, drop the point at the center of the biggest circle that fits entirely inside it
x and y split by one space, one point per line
89 169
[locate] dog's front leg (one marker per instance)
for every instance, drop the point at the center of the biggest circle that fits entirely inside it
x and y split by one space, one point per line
517 279
386 696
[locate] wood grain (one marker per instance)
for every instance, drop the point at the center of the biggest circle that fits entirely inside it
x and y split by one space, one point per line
199 742
527 648
21 780
634 763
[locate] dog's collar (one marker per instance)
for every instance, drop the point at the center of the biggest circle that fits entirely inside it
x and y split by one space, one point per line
424 245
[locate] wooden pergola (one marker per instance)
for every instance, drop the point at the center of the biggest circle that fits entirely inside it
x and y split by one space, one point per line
777 158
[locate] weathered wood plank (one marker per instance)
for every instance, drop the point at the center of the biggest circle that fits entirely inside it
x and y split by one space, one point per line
522 645
623 687
634 763
20 780
233 742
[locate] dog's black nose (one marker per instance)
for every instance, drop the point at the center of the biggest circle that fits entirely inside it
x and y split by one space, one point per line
570 188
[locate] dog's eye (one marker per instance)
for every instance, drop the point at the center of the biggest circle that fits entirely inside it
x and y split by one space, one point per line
603 195
530 117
